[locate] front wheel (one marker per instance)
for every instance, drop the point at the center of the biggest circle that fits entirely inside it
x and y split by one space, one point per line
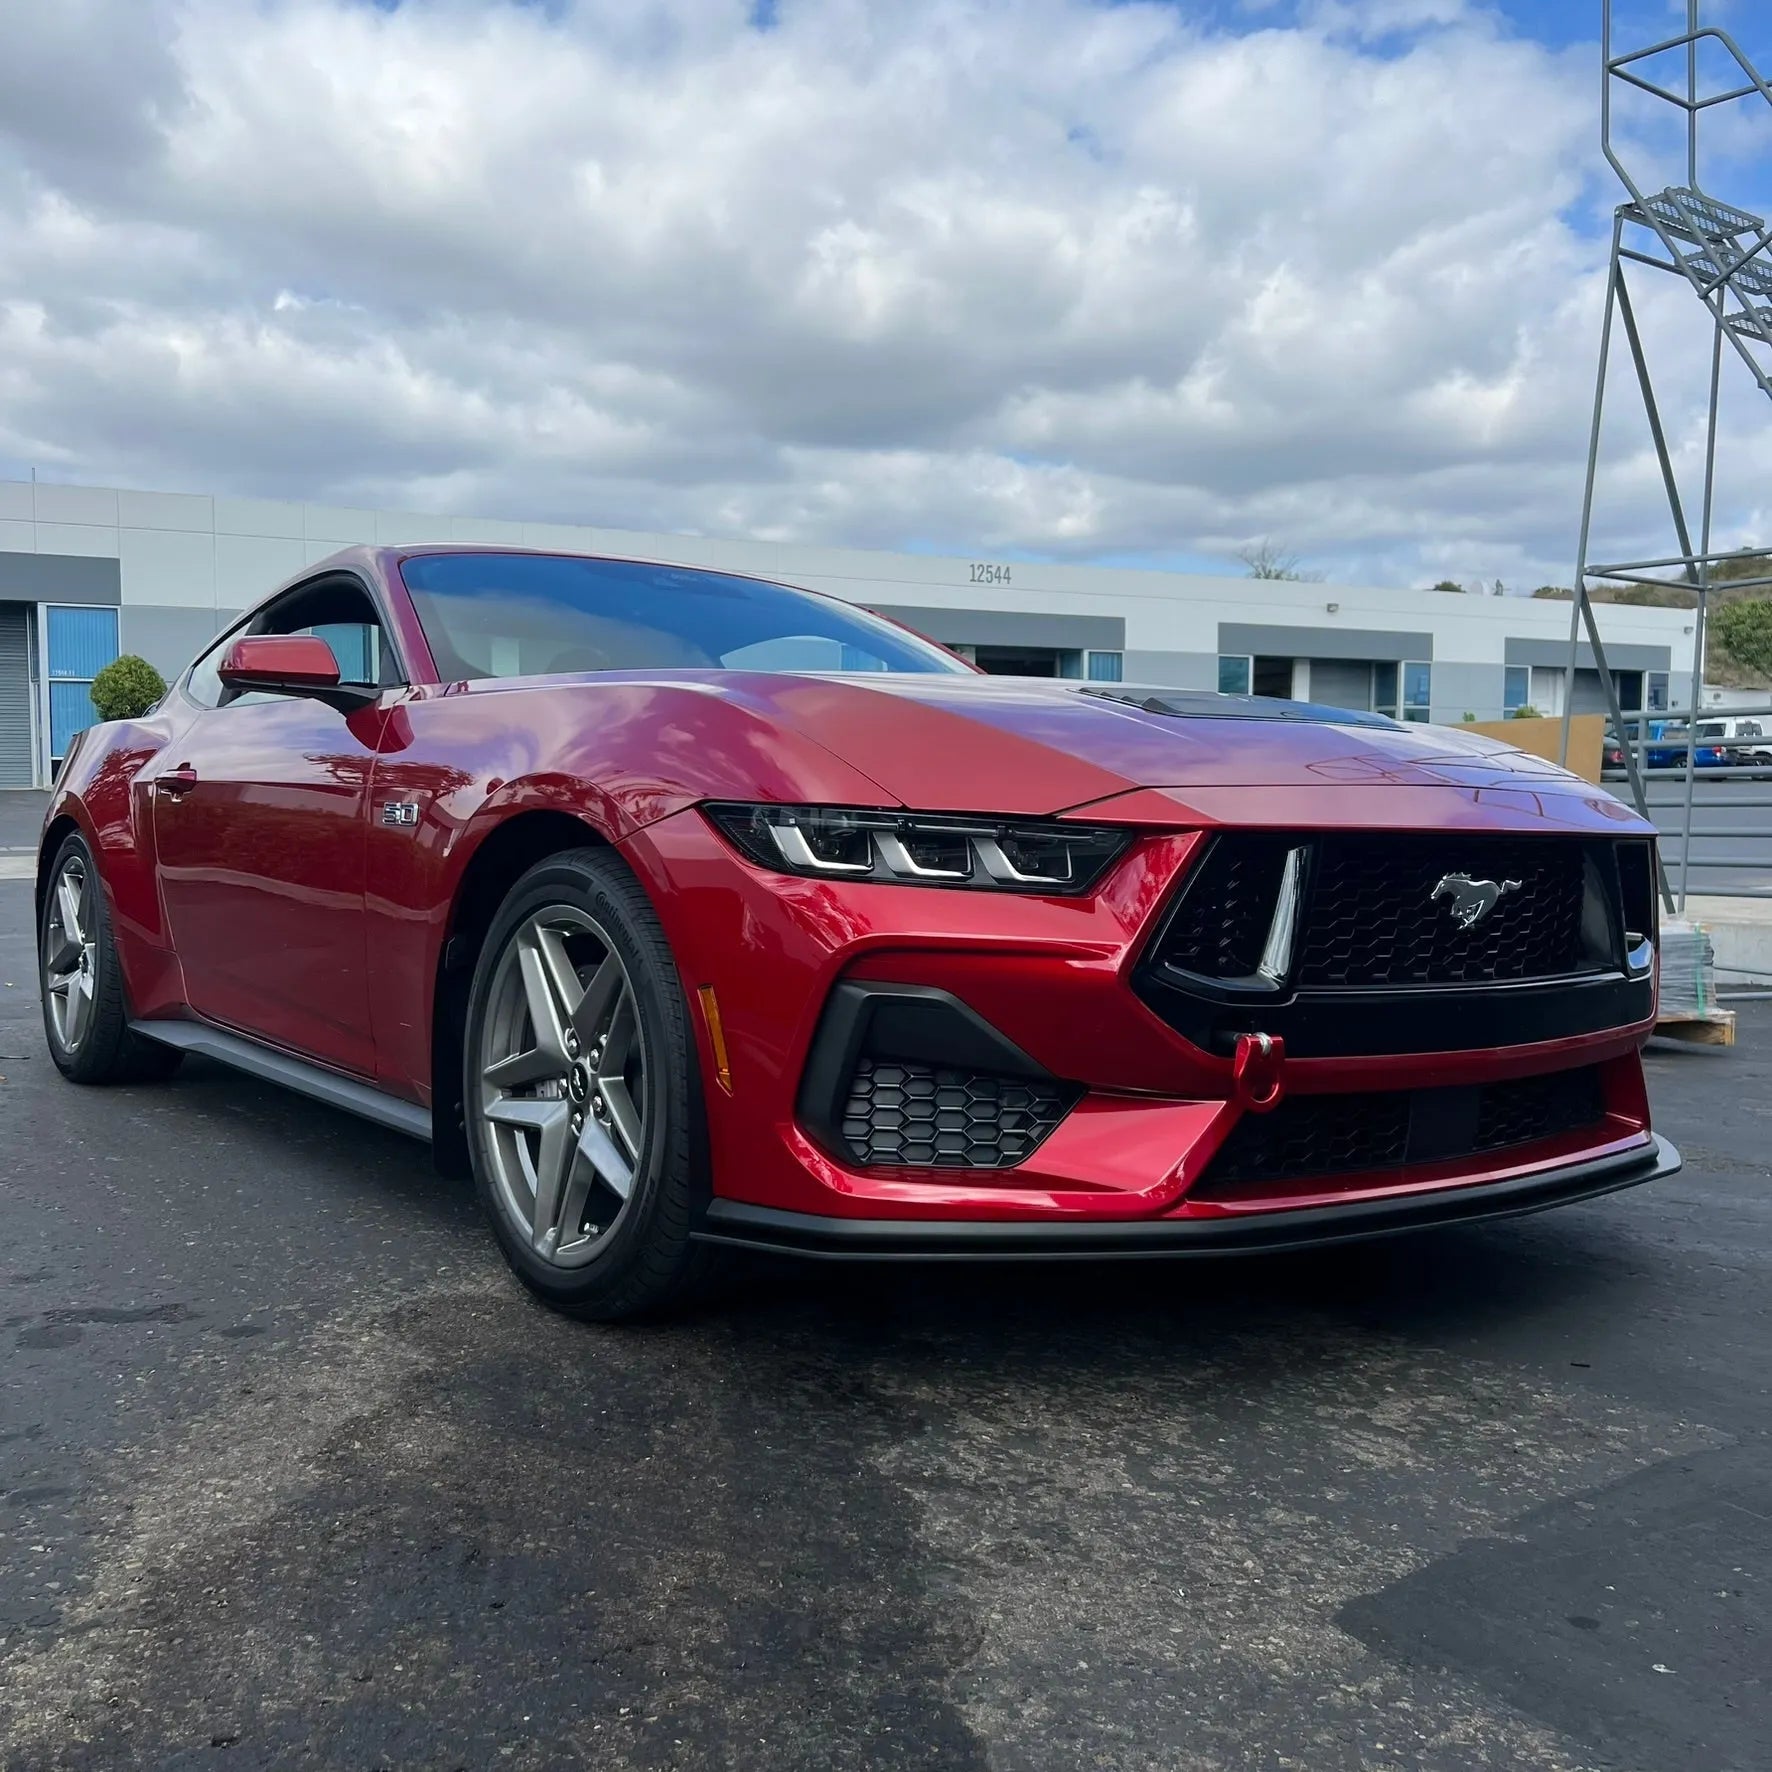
85 1017
581 1093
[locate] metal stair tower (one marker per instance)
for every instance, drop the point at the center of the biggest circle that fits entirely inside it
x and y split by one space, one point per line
1724 253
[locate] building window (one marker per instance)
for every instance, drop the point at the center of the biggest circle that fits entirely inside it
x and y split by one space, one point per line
1517 691
1384 688
1233 673
1657 683
1106 667
78 644
1418 682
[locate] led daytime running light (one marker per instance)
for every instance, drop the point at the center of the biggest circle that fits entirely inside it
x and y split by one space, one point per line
861 843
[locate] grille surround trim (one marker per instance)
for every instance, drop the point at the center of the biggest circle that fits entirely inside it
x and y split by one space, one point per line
1605 994
1230 900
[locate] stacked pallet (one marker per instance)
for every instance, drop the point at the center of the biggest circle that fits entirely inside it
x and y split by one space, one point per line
1688 1008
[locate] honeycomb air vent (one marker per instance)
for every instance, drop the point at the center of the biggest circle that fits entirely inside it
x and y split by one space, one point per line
921 1116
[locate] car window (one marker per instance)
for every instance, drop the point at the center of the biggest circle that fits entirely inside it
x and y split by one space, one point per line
202 684
524 615
338 611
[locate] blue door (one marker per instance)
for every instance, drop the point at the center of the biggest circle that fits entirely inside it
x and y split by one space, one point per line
80 643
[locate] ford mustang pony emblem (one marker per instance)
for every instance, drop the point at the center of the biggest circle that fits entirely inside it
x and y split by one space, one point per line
1472 900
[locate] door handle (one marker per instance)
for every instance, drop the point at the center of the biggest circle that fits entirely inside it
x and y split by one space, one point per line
176 782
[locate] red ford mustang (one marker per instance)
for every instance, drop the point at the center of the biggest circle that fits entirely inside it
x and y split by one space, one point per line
690 909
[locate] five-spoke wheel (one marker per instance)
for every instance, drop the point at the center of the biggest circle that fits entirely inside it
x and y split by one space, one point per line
85 1009
69 953
563 1083
581 1094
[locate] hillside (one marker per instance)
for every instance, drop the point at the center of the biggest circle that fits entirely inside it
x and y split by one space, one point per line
1720 666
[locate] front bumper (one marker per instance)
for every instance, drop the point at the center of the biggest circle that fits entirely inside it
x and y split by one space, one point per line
1149 1111
769 1230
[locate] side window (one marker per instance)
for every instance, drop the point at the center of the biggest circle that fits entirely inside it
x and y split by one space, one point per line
203 685
337 611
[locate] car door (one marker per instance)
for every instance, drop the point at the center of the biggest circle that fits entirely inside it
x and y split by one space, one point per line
260 811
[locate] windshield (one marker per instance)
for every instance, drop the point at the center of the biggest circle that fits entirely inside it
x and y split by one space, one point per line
530 615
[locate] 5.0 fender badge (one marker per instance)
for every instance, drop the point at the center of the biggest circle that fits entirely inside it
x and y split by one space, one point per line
399 812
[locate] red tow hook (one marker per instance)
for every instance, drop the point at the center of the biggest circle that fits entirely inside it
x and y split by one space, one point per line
1259 1072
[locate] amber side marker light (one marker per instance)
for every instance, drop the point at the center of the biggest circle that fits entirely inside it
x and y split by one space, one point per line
710 1012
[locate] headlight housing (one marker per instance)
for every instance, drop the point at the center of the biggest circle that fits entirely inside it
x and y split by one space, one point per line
1036 855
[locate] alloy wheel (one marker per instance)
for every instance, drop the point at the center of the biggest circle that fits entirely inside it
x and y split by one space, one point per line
562 1068
70 954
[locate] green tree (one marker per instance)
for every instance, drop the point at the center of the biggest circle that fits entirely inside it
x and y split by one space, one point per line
1554 594
127 688
1448 586
1744 630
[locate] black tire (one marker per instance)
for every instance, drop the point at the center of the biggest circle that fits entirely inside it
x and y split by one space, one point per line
105 1051
649 1264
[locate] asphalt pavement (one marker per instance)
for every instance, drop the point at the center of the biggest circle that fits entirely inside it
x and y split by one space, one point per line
292 1474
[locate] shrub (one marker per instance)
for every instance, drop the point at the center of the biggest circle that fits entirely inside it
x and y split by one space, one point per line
1745 630
127 688
1527 712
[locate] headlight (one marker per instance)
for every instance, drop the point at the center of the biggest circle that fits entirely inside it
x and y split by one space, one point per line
920 848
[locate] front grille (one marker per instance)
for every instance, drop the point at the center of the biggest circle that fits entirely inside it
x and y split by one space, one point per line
1309 1136
924 1116
1221 925
1372 917
1537 1107
1378 910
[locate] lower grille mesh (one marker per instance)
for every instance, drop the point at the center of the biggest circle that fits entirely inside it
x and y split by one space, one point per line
919 1115
1322 1135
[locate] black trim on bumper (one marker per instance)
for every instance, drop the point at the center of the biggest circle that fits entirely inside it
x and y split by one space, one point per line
900 1022
872 1239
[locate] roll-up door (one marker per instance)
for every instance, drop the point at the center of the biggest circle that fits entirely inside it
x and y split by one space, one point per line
16 769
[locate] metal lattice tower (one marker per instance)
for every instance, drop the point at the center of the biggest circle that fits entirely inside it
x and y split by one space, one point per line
1724 253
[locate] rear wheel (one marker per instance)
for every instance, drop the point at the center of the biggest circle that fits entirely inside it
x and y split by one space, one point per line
581 1093
85 1016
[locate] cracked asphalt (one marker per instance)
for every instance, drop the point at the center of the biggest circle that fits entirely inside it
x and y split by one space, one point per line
293 1475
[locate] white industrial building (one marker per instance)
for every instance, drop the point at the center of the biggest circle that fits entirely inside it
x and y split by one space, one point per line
87 572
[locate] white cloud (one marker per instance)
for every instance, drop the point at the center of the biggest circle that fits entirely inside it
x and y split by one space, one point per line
1050 277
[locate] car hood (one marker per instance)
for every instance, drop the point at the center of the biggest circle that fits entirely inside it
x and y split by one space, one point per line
1038 746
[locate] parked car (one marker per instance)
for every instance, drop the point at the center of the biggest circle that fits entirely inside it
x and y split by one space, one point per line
692 911
1663 746
1746 739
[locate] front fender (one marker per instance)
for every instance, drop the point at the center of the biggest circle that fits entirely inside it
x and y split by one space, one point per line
101 793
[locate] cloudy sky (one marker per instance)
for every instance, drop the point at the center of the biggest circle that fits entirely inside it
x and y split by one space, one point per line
1027 278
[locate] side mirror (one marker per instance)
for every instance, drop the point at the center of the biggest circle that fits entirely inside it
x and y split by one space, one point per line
291 664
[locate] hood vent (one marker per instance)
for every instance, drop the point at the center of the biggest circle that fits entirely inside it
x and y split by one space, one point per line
1205 704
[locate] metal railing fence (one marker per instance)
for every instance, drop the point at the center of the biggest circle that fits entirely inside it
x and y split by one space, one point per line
1673 757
